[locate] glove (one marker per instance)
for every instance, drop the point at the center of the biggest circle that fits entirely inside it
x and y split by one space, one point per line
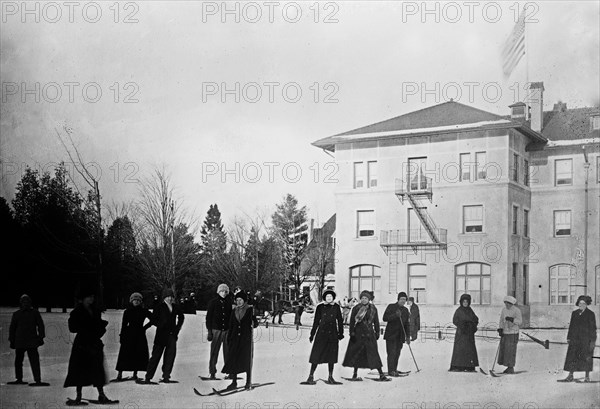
209 336
340 337
511 319
40 341
500 332
413 338
310 339
407 341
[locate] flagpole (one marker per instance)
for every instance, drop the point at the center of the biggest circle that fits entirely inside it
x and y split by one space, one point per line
526 33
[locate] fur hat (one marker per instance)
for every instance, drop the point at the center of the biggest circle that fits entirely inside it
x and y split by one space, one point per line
167 292
368 294
222 287
329 292
510 299
465 297
402 294
241 294
586 298
136 296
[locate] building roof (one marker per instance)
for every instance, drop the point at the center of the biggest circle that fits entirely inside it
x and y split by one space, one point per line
570 124
446 117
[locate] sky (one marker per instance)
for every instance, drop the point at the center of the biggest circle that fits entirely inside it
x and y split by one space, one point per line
230 96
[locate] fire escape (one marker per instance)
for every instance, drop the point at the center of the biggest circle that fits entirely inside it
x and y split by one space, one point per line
415 188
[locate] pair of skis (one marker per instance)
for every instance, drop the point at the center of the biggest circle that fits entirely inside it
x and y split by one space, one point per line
85 402
228 392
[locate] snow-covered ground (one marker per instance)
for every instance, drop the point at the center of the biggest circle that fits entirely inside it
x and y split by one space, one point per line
281 356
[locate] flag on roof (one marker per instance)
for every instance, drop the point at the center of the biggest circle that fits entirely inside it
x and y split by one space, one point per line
514 46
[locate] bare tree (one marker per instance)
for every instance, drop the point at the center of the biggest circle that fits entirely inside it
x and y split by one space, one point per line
319 257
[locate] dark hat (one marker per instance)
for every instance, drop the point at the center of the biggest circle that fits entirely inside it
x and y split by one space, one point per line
465 297
411 298
241 294
586 298
329 292
85 291
368 294
402 294
167 292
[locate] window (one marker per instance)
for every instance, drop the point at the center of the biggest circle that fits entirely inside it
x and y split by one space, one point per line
365 223
525 288
473 279
480 159
416 173
563 172
525 223
465 167
372 173
515 220
562 223
562 288
417 282
513 281
595 122
515 168
472 219
526 172
359 175
365 277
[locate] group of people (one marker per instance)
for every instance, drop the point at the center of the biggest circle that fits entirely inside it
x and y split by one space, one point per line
230 322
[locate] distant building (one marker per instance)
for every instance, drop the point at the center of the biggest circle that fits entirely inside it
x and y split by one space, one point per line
451 199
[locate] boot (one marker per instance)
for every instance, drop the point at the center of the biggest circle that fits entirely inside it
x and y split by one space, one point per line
567 379
232 385
309 381
332 381
509 370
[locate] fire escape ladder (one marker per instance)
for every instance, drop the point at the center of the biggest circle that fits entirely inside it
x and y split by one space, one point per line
423 216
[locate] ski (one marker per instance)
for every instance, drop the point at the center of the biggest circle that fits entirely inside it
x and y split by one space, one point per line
197 392
208 378
331 383
482 371
494 374
73 402
379 379
225 392
358 379
98 402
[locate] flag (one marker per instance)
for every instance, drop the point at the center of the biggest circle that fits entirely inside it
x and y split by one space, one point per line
514 46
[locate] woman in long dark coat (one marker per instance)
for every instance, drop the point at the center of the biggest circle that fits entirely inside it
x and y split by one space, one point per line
582 340
327 331
364 333
464 354
86 364
240 344
133 354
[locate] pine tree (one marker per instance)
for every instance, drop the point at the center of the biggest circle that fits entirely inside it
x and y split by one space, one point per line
212 236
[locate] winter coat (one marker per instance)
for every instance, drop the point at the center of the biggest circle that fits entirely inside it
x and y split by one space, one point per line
167 322
464 353
133 354
26 329
398 322
507 326
362 347
218 313
240 342
582 338
86 364
415 320
328 326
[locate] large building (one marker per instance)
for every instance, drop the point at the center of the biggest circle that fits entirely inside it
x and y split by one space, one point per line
451 199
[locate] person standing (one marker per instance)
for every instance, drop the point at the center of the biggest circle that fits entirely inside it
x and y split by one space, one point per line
168 319
192 304
218 316
25 334
415 318
364 333
327 331
581 339
397 332
298 310
464 353
86 364
240 341
508 329
133 353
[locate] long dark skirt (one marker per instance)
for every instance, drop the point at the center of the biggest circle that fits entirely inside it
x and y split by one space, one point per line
362 351
579 356
133 354
507 355
86 365
464 353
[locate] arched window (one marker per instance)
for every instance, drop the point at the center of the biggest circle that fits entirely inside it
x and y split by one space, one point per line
562 284
365 277
473 279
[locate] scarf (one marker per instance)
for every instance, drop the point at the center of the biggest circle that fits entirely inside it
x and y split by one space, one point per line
241 311
362 314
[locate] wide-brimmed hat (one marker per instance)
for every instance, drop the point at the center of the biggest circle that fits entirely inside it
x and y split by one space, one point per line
368 294
586 298
510 299
329 291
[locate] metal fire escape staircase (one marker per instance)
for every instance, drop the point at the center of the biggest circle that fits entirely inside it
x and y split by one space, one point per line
413 190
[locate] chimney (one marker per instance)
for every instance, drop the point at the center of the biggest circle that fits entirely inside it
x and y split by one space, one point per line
560 107
310 230
517 112
536 101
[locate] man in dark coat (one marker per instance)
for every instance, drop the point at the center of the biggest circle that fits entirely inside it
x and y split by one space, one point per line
415 318
240 341
168 319
218 316
396 332
327 331
26 333
581 339
364 333
464 353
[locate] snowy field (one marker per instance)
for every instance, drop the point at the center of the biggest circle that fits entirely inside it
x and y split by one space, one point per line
281 356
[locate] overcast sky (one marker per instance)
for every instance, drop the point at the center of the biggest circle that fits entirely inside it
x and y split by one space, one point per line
369 60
